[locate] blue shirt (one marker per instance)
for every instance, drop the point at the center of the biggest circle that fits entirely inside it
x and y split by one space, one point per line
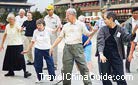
85 38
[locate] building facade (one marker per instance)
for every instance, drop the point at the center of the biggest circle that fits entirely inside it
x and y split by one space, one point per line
92 7
14 5
89 7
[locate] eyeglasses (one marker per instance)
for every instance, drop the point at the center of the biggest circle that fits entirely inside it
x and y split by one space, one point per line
48 9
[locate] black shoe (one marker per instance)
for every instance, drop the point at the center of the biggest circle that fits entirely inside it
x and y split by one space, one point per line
52 78
29 63
9 74
27 74
47 68
92 76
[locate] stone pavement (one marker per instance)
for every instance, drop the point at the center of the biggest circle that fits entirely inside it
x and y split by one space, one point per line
18 79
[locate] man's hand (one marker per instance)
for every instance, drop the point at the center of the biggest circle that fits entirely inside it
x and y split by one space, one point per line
51 51
103 59
130 57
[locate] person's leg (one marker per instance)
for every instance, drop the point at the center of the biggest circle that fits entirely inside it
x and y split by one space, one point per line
117 66
68 62
127 63
30 56
87 54
38 62
80 61
105 70
53 37
50 64
23 65
7 63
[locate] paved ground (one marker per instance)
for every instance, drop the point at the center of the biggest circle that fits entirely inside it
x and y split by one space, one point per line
19 80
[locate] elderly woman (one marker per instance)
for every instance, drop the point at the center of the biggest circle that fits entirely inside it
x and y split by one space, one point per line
41 42
14 60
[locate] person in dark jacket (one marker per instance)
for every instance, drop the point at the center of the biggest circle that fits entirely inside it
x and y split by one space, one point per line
111 49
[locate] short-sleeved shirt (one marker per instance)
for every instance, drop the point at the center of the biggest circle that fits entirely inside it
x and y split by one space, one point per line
136 38
42 39
20 20
13 35
52 21
29 26
72 33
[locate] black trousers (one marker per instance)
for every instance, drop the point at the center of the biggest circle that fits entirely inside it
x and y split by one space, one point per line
116 63
127 63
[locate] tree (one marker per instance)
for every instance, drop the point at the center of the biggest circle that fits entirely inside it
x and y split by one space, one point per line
3 17
37 15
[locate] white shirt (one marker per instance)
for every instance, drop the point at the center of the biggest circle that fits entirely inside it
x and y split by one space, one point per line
136 38
20 20
134 22
42 39
13 35
72 33
52 21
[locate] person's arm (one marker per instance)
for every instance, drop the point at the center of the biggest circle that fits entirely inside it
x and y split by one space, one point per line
59 25
128 37
31 44
57 41
20 29
86 32
101 45
29 47
3 40
130 56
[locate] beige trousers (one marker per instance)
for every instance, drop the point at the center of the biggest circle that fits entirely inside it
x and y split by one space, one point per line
29 55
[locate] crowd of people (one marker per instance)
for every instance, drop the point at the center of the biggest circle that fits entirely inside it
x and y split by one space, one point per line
23 33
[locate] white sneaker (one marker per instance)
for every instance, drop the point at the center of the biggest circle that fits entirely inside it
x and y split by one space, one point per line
37 81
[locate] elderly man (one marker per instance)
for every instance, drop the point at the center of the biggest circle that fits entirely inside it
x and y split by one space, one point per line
110 46
73 50
21 17
53 22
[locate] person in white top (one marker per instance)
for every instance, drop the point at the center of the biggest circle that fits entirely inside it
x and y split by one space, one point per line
13 60
41 42
130 24
21 17
53 22
73 50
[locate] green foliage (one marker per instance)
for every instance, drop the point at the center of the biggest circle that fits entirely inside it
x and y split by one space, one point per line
37 15
3 17
60 11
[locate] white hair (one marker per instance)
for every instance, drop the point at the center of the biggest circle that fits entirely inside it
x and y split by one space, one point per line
10 15
81 18
21 10
72 11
